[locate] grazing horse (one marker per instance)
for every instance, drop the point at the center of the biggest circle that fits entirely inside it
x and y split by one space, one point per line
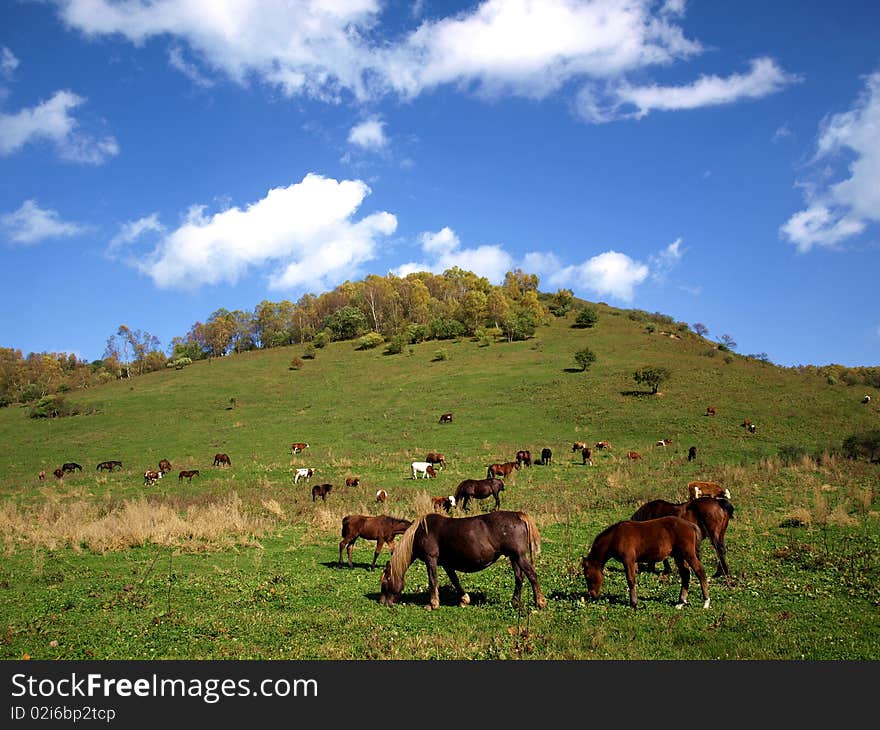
710 514
546 456
866 399
423 469
578 446
436 459
352 481
633 455
446 418
382 496
664 442
165 466
58 473
603 445
632 542
42 475
502 470
478 489
443 503
71 466
692 453
524 458
306 473
321 490
752 428
587 455
187 474
108 465
468 544
297 447
382 528
710 410
151 477
707 489
221 459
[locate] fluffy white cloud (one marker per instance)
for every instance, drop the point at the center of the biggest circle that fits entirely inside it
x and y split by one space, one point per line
765 77
369 135
31 224
611 274
131 231
305 234
444 251
532 48
52 120
844 208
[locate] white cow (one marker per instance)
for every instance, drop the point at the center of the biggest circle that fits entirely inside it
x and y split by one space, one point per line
303 474
423 468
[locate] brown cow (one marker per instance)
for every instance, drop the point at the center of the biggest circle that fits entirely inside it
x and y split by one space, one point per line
707 489
443 503
222 460
435 458
352 481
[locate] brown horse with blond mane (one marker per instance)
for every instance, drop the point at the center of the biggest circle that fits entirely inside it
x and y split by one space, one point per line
468 544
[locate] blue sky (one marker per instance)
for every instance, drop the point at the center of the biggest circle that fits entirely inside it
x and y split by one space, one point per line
717 162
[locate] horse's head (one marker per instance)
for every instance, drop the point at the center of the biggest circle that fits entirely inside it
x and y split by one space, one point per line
594 576
391 587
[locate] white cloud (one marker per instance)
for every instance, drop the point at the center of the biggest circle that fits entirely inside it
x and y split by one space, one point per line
369 135
610 274
839 210
305 235
51 120
531 48
765 77
131 231
188 69
781 132
31 224
663 262
444 251
8 62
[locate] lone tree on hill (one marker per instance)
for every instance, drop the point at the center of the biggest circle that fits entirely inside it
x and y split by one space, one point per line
587 317
652 376
585 358
701 329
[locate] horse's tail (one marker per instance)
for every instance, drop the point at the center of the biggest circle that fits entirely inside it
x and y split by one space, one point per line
402 556
534 536
726 505
345 522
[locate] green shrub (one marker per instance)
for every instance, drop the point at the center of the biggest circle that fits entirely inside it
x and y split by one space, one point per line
440 355
309 353
444 328
296 363
369 341
587 317
585 358
396 344
322 339
53 406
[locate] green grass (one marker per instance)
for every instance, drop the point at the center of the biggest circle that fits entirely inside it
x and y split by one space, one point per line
241 564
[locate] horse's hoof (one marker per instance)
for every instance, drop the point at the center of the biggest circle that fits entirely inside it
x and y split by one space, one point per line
706 603
680 606
465 600
542 603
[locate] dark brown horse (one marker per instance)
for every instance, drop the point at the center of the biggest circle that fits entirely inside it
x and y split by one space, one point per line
468 544
381 528
524 458
502 470
165 466
109 465
187 474
631 542
710 514
71 466
478 489
321 490
437 459
221 459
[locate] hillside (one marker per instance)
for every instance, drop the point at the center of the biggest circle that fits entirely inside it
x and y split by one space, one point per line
369 414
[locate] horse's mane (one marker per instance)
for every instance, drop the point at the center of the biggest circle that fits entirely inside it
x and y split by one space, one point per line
726 505
534 536
402 556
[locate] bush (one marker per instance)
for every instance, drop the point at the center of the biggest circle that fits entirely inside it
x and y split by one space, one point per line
440 355
309 353
652 376
791 454
444 328
587 317
416 333
863 445
53 406
370 341
5 401
396 345
181 362
296 363
585 358
322 339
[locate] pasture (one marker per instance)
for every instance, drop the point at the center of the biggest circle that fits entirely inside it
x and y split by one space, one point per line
240 563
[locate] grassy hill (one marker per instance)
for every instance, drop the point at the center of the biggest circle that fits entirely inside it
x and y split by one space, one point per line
240 563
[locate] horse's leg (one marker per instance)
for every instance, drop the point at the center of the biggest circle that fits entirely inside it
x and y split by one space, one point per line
497 500
721 552
379 543
433 587
463 598
685 580
630 569
525 566
694 561
349 548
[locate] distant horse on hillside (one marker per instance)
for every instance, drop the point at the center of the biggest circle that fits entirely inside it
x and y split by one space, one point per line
468 544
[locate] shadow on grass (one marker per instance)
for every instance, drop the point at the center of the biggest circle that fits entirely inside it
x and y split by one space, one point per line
573 370
447 595
637 394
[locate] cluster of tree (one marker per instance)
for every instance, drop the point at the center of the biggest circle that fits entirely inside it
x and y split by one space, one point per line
833 374
25 379
401 310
